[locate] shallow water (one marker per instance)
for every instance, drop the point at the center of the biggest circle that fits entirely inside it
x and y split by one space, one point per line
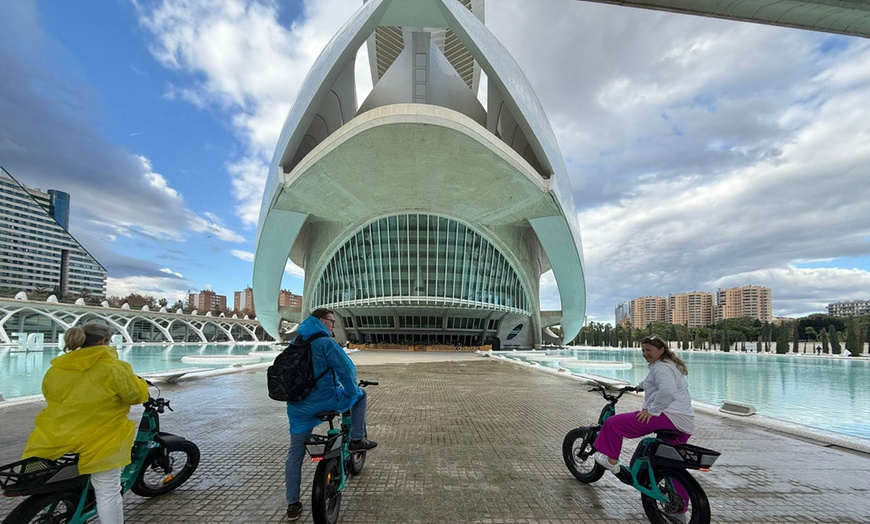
21 372
820 392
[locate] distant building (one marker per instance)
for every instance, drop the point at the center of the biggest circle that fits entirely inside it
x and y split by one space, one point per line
243 301
693 309
645 310
623 313
288 299
36 250
207 300
849 308
746 301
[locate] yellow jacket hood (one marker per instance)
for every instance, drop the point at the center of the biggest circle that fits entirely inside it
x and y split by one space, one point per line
89 392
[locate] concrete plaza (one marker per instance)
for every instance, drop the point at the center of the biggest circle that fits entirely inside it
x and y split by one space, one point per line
466 439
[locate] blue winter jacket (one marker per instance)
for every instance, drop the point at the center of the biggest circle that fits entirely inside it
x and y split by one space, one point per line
331 393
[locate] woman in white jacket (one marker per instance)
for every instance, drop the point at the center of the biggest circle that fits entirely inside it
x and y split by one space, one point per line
667 405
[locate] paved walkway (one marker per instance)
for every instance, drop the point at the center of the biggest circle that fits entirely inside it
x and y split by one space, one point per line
470 440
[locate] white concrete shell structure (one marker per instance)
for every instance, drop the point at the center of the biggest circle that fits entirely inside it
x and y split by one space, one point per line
420 215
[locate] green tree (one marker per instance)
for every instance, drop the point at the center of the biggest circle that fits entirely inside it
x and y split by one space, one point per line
782 340
825 341
765 336
686 338
835 340
726 342
797 338
852 337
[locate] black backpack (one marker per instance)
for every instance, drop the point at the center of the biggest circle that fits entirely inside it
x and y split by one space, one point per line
291 377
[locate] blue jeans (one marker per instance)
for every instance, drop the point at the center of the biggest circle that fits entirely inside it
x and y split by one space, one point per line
293 466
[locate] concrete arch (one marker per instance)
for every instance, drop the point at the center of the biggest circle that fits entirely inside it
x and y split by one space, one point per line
64 316
4 335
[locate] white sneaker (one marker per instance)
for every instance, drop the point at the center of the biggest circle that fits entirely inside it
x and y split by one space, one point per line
602 460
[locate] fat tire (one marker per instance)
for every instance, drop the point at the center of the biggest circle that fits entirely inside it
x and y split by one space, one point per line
29 511
356 462
325 496
577 451
180 469
699 506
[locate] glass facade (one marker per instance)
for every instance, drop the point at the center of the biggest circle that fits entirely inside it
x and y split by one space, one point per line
420 260
36 251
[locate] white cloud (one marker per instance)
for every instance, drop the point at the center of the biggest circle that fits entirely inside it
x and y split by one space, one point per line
241 60
700 151
170 288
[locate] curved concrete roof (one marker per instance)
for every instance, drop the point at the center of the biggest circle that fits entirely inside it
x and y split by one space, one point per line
847 17
340 157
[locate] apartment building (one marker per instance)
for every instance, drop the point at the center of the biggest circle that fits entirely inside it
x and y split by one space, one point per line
745 301
288 299
207 300
849 308
623 313
36 249
648 309
693 309
243 301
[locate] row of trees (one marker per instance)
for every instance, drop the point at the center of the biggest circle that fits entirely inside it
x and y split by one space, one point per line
831 334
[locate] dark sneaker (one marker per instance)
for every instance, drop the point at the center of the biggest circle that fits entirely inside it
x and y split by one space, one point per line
362 445
293 511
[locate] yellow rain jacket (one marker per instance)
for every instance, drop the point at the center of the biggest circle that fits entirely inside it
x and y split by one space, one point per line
89 393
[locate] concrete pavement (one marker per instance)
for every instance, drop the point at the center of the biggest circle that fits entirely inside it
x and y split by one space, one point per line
465 439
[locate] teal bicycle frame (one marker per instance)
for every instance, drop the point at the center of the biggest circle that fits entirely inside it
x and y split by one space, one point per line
56 488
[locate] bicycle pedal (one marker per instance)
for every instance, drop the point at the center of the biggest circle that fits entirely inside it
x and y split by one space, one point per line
624 476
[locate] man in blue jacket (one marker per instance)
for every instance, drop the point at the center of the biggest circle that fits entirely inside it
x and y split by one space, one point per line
335 391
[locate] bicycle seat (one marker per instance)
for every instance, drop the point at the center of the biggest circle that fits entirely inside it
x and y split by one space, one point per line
326 416
668 434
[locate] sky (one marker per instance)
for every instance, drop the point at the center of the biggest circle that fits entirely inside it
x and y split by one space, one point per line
702 153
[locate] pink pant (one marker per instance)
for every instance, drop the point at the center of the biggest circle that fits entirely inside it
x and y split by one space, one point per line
626 425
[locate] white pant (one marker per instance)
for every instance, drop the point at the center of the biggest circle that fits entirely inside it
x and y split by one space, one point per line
107 488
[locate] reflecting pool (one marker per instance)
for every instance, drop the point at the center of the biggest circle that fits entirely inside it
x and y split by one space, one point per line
820 392
21 372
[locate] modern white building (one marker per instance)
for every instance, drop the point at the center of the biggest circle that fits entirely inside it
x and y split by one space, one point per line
36 250
849 308
421 214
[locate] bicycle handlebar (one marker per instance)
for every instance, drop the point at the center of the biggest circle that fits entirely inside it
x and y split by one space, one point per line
612 398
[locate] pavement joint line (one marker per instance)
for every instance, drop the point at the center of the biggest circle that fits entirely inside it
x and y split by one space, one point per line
465 439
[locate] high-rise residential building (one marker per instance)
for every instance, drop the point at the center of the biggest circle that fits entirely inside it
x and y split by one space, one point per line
207 300
693 309
849 308
36 250
645 310
422 212
243 301
745 301
623 313
288 299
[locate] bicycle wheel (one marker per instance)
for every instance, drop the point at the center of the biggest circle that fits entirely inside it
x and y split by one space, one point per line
166 468
356 462
325 496
54 508
687 502
577 451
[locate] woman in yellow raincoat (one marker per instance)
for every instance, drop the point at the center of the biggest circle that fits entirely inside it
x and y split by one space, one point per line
89 392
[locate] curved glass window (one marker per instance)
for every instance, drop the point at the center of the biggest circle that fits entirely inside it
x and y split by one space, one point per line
419 259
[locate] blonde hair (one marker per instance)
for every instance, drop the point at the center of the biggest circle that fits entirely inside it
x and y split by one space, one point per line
85 336
657 341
